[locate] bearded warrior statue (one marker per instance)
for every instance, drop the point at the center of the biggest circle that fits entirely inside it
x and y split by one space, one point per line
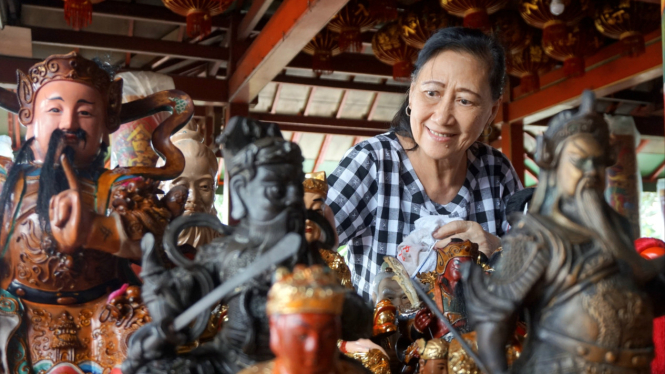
569 266
69 226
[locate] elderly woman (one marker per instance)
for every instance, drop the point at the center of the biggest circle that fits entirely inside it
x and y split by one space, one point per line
430 162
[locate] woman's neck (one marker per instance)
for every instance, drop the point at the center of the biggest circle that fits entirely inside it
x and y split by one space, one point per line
442 179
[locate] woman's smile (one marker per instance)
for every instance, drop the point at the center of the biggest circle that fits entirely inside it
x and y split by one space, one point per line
440 136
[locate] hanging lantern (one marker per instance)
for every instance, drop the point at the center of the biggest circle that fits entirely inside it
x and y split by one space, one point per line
199 13
383 10
475 12
537 13
509 29
322 48
78 13
349 23
580 40
390 49
528 64
422 20
627 21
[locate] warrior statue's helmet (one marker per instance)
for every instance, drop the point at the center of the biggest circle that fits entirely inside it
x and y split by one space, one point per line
569 123
247 143
73 68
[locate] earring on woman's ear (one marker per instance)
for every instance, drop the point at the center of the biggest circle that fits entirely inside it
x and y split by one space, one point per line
407 110
488 130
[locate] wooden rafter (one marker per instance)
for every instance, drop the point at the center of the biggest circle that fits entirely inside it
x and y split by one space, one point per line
127 10
347 63
127 44
329 125
321 156
654 174
287 32
252 18
344 85
342 103
308 102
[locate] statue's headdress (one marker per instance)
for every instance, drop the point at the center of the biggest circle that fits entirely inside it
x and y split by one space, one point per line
456 248
433 349
312 289
247 143
74 68
569 123
316 183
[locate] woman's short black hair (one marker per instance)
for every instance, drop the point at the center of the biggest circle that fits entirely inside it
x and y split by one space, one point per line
457 39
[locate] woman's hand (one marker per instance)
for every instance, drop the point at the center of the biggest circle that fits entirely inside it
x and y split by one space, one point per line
467 230
362 346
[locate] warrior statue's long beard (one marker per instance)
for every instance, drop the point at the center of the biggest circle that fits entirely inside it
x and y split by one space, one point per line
595 214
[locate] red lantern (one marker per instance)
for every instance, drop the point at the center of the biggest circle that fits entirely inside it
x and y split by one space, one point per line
579 41
390 49
422 20
627 21
78 13
322 48
509 29
475 12
529 64
349 23
537 14
199 13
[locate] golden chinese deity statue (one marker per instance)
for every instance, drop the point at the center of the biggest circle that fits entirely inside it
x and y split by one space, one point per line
69 226
305 310
318 228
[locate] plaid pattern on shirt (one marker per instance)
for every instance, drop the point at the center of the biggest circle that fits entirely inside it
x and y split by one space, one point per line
376 198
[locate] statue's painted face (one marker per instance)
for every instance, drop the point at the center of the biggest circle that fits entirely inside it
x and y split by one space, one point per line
316 202
305 343
452 272
273 190
390 289
434 366
582 160
198 177
69 106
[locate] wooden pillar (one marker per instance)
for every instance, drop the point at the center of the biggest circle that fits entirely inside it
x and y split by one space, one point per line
512 145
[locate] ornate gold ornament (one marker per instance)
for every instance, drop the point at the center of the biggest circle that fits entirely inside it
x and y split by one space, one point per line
422 20
627 21
322 48
312 289
350 22
529 64
511 31
452 250
316 183
434 349
374 360
390 48
580 40
475 12
74 68
199 13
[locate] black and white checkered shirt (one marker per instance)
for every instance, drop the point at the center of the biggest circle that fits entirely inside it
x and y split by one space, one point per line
376 198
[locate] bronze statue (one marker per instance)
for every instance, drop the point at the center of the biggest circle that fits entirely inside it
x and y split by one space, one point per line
266 187
69 225
304 308
569 266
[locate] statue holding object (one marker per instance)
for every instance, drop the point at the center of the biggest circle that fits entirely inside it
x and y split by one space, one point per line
569 264
68 225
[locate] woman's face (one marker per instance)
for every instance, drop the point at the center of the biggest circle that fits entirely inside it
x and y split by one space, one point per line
451 103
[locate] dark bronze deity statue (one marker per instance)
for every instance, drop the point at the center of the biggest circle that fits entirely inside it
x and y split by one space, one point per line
69 225
267 198
569 265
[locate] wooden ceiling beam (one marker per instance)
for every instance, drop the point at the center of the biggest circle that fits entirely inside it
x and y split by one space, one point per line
328 125
287 32
347 63
605 79
252 18
343 85
206 91
127 10
122 43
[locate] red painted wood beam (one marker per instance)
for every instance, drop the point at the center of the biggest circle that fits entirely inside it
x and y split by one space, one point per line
322 152
640 147
373 106
615 75
278 92
310 99
512 145
292 26
654 175
326 125
342 102
252 18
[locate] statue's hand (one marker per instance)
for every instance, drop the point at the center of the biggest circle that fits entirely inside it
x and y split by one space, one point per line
423 319
70 223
